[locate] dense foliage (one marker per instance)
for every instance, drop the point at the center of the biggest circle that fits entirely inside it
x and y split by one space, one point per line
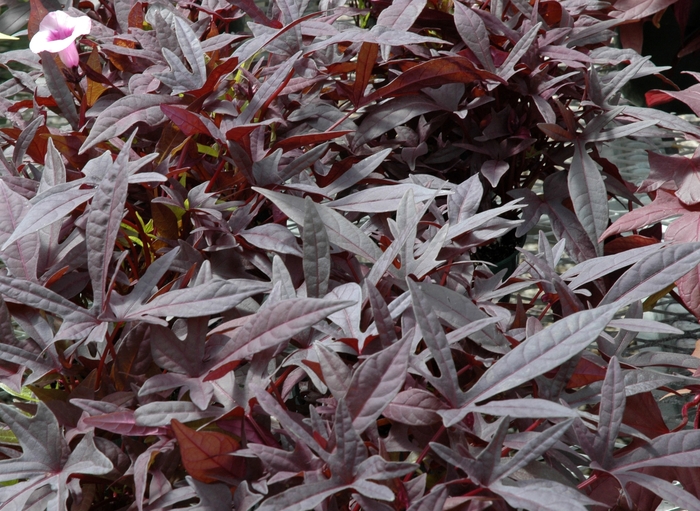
242 269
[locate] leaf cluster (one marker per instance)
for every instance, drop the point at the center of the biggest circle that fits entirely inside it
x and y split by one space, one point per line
240 268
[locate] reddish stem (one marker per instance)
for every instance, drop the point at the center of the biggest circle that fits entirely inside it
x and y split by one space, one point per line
218 170
275 385
545 311
103 358
684 413
588 482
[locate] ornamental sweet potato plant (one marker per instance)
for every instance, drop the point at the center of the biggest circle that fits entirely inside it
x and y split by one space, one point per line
242 267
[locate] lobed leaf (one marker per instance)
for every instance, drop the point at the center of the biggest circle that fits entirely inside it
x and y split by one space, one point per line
212 297
271 326
103 223
653 273
541 352
341 232
376 382
121 115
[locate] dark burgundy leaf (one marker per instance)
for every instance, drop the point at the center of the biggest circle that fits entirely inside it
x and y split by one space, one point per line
433 73
188 122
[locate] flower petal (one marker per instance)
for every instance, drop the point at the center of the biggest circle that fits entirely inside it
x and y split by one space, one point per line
43 44
58 31
83 25
69 56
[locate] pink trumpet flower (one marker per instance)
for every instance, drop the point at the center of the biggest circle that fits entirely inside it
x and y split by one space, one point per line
57 34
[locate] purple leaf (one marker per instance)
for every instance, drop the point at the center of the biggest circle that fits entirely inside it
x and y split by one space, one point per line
161 413
620 131
273 238
654 273
350 450
472 328
317 257
401 14
303 497
481 219
459 311
543 351
191 49
612 408
662 488
122 422
588 194
103 222
124 113
373 490
200 393
665 205
356 173
464 203
566 226
679 171
288 462
268 90
256 14
532 408
39 297
644 325
24 140
21 256
29 360
415 407
374 384
542 495
58 87
664 119
507 69
532 450
176 355
383 322
7 333
306 160
273 325
434 337
340 231
533 207
390 114
368 504
382 199
406 222
473 32
299 431
593 269
47 211
122 306
376 467
679 449
336 374
46 457
428 261
213 297
348 319
432 501
482 468
212 497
